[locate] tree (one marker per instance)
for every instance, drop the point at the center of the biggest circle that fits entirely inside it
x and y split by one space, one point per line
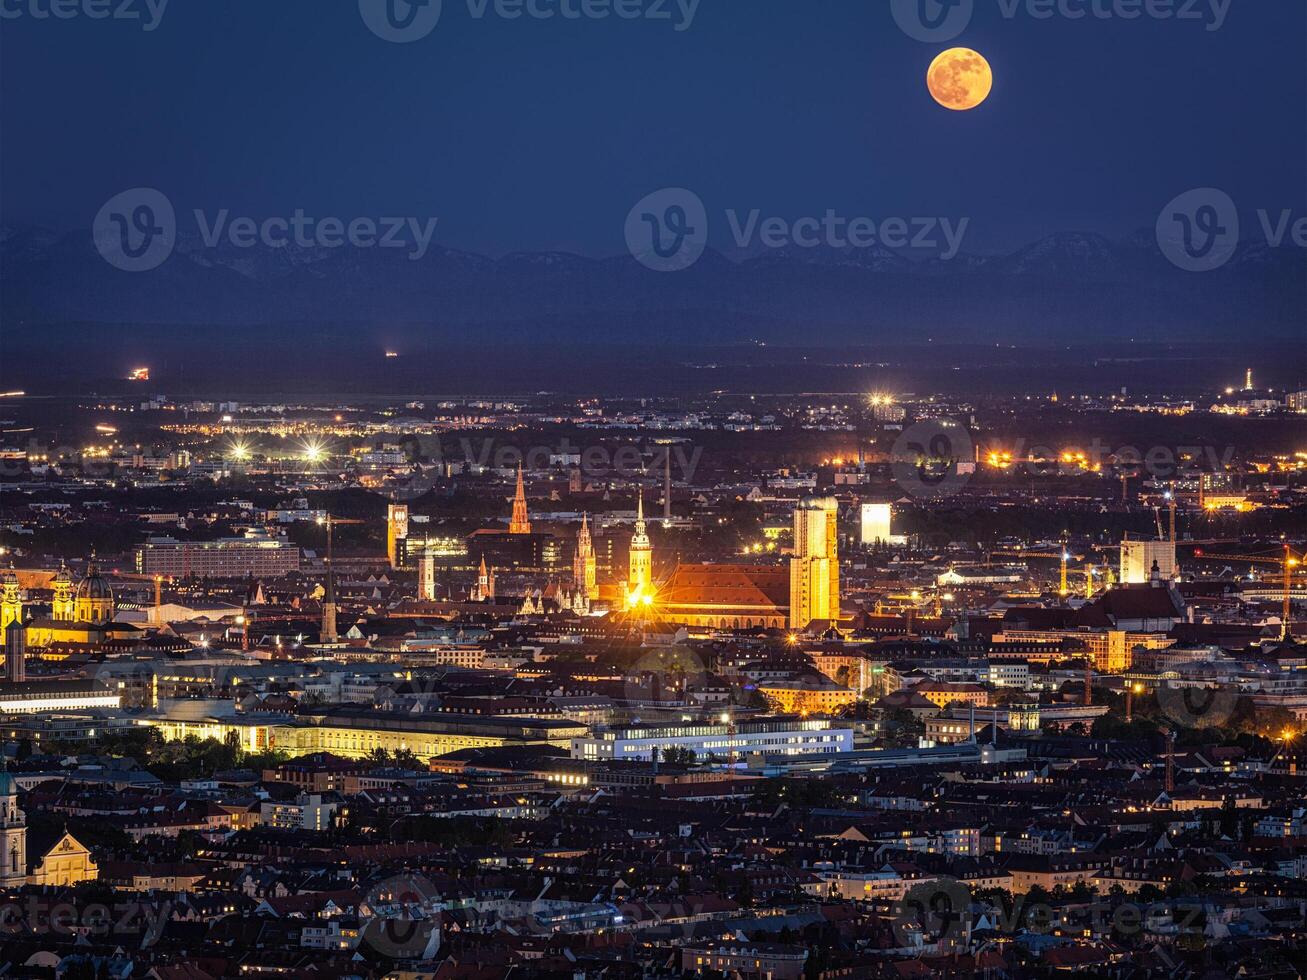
408 759
678 755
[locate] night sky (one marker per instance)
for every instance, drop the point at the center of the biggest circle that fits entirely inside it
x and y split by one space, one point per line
530 135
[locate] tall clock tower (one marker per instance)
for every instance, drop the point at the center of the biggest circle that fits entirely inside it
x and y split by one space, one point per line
640 578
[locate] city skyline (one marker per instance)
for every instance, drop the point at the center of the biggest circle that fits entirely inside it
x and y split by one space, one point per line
653 489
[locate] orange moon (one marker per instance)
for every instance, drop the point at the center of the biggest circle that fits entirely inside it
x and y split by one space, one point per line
959 79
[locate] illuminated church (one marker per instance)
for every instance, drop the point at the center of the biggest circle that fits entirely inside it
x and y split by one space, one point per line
735 596
639 579
56 858
81 615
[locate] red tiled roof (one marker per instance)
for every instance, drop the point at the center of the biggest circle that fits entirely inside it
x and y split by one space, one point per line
728 585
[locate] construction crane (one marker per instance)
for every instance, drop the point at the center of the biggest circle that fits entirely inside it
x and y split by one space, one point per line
1287 562
1063 556
329 634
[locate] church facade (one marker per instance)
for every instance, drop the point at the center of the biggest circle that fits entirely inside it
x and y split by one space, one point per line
60 859
78 615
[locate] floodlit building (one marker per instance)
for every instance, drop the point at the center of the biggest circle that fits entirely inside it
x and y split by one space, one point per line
815 567
583 562
876 523
397 535
251 556
770 736
639 582
1137 559
809 695
726 596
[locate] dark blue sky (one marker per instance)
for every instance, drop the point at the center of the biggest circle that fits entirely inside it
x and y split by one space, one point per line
533 134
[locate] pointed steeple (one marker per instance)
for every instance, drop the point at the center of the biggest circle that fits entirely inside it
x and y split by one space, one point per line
640 576
583 562
520 522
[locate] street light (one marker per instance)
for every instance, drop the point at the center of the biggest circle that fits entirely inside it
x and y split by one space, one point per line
1130 691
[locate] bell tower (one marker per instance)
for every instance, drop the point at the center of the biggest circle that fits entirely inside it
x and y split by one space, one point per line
11 601
63 594
583 563
640 580
13 835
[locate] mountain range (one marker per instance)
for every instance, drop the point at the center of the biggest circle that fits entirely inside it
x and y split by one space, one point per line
1067 286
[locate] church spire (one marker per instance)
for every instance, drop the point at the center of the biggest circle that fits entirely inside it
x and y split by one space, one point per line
640 577
520 523
583 562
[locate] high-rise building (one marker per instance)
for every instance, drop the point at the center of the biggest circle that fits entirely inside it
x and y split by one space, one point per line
397 535
876 523
255 555
520 522
1137 558
639 581
815 567
583 562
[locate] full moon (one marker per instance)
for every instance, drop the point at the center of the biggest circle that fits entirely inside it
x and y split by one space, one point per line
959 78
